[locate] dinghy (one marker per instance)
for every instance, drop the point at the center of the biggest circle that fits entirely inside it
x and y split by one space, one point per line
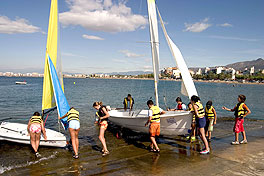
21 82
53 93
172 122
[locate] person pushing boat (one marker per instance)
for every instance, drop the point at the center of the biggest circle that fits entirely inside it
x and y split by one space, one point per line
35 127
103 117
154 113
74 128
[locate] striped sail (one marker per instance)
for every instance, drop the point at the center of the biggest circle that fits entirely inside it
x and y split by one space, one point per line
154 40
188 87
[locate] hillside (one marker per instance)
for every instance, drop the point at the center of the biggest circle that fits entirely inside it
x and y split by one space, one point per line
258 64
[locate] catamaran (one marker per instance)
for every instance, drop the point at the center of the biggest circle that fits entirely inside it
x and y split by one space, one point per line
172 122
53 92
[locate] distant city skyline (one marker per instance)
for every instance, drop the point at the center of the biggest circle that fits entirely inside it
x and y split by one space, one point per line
112 36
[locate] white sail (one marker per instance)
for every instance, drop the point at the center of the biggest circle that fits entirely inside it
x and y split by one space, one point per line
154 40
188 83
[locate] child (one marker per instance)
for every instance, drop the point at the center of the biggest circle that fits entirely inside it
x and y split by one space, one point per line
74 129
180 105
241 111
103 116
200 121
193 130
35 127
211 118
154 127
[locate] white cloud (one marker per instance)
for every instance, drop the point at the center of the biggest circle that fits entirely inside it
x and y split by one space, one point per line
73 55
99 15
233 38
92 37
198 26
130 54
226 25
19 25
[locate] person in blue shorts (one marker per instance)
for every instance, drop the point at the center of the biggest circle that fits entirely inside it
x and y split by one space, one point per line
74 128
200 121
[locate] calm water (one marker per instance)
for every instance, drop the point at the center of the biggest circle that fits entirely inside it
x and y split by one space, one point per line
20 101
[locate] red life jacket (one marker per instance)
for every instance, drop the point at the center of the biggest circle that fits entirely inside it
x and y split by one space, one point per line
179 107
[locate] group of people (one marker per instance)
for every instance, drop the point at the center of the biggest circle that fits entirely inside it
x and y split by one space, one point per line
202 123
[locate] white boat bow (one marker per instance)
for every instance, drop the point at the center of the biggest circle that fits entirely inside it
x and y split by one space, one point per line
17 132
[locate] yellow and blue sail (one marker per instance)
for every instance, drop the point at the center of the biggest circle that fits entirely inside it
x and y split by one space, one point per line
61 101
52 83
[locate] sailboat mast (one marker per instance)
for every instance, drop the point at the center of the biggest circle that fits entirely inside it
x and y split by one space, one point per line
154 41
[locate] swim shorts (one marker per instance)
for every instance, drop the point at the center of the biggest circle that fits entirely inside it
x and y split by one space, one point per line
154 129
35 128
201 122
238 127
210 125
74 124
103 124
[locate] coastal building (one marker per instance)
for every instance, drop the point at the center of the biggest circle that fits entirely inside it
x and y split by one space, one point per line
1 73
252 70
219 70
176 73
206 70
199 72
191 72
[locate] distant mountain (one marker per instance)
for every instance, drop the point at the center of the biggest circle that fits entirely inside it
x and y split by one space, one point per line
258 64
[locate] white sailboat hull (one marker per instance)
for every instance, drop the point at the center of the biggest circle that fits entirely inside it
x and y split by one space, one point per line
17 132
172 123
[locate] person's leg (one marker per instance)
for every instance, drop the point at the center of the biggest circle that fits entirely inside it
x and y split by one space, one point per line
37 140
209 134
77 139
33 141
244 135
153 141
72 134
102 138
202 135
236 136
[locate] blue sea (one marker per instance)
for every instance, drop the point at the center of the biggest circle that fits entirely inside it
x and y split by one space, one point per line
129 153
20 101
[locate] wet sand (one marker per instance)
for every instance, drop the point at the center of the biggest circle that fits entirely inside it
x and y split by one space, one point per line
129 156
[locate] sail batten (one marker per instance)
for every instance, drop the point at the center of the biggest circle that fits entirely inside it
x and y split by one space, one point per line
154 39
187 82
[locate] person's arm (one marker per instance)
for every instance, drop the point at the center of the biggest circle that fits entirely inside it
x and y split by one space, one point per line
106 114
227 109
162 112
214 115
132 103
149 119
62 116
247 109
43 131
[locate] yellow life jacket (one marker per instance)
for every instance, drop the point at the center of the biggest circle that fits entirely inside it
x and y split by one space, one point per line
209 113
155 114
200 109
73 115
240 111
36 119
130 102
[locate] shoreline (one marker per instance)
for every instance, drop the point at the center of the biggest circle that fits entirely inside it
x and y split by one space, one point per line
178 80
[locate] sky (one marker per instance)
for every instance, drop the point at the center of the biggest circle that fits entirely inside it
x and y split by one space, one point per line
104 36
